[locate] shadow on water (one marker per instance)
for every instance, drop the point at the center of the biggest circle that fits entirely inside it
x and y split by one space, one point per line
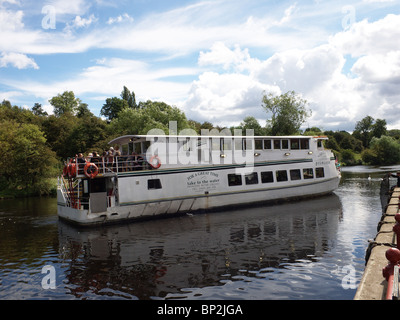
155 259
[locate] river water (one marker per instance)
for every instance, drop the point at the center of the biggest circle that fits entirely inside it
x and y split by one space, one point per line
311 249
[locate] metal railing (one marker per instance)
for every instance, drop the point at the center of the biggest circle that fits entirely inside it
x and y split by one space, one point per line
115 164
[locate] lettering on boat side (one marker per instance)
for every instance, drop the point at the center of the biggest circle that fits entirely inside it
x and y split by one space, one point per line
203 181
206 309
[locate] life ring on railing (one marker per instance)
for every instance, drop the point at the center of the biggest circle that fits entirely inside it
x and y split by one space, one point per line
90 170
155 165
71 170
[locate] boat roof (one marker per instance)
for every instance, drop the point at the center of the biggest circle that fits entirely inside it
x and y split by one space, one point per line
141 138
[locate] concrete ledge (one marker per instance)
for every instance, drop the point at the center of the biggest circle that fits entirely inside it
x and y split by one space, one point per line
373 285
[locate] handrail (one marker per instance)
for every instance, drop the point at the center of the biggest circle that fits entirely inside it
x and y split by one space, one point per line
114 164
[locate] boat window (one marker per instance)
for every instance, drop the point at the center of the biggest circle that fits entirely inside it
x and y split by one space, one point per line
138 148
281 175
187 145
294 144
215 144
153 184
248 144
267 177
285 144
251 178
319 172
258 144
277 144
238 144
227 144
308 173
304 144
295 174
267 144
146 145
319 143
234 179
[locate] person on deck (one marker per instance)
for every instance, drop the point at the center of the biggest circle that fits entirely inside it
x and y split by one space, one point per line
397 175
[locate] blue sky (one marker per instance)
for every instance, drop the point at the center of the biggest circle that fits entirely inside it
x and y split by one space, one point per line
212 59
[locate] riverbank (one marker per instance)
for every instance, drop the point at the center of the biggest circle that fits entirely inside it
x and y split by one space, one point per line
47 187
373 285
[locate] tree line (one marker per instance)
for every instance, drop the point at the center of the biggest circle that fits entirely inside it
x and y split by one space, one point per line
36 144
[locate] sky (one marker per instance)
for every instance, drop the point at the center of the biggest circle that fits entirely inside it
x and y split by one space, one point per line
213 59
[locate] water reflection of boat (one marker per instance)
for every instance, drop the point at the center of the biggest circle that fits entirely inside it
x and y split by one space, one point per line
154 258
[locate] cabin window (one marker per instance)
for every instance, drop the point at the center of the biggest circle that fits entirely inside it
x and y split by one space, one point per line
267 144
146 145
308 173
319 172
186 145
258 144
238 144
248 144
285 144
294 144
304 144
295 174
153 184
215 144
277 144
267 177
251 178
281 175
319 143
234 179
227 144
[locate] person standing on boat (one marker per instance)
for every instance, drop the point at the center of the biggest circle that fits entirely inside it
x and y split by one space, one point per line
397 175
80 160
110 158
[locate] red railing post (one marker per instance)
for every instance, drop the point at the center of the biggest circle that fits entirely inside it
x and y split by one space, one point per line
396 229
393 255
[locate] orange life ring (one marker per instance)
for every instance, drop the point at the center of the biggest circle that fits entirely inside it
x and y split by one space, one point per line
72 170
158 163
90 170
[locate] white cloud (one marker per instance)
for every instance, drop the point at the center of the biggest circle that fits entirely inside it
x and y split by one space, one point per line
365 38
317 73
11 20
78 22
121 18
74 7
17 60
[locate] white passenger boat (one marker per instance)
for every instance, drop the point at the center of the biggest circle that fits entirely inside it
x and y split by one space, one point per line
159 175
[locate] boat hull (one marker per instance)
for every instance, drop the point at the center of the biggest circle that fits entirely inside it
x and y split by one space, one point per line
206 202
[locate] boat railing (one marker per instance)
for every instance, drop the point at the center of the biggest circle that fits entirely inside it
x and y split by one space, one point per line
115 164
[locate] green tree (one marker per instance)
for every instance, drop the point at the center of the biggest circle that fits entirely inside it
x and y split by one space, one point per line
252 123
379 128
363 129
113 107
151 115
129 97
288 112
38 110
65 103
386 149
27 161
